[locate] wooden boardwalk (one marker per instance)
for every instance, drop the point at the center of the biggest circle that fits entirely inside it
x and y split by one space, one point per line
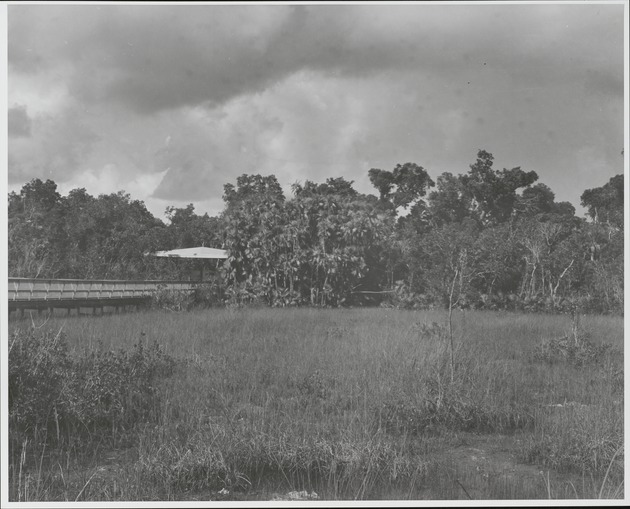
49 294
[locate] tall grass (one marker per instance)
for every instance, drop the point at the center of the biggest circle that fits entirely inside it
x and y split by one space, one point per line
350 404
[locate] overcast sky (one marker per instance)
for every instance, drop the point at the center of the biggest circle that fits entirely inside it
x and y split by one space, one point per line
170 102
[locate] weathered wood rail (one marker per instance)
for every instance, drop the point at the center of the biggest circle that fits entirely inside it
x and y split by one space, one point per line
41 294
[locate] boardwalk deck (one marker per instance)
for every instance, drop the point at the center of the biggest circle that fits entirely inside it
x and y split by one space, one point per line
25 293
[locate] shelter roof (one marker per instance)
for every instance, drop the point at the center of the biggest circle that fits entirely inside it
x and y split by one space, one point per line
194 252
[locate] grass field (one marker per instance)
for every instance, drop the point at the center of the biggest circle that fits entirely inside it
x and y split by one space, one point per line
352 404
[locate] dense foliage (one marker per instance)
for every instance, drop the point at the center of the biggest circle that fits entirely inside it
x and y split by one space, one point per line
486 239
57 396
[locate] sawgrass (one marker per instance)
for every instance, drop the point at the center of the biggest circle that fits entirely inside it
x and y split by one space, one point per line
349 404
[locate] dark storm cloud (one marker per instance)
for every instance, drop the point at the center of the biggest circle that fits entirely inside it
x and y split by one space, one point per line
19 123
158 57
312 91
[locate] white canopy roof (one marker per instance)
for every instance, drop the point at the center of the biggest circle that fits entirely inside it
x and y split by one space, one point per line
194 252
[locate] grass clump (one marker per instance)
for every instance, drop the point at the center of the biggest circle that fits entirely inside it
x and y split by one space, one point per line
578 350
64 402
243 459
69 396
39 366
351 404
581 431
583 438
442 403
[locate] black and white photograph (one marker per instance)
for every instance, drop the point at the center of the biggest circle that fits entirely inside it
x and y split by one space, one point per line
307 254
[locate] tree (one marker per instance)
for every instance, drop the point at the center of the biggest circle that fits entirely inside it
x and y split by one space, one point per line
33 230
338 238
483 194
116 229
540 199
536 199
310 249
79 229
436 257
251 189
605 203
493 193
402 186
333 186
498 264
252 217
36 195
550 257
188 229
450 202
78 236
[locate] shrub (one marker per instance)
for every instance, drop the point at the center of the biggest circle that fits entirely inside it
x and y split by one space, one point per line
247 293
209 294
206 294
578 353
38 369
117 389
403 297
442 403
56 397
170 300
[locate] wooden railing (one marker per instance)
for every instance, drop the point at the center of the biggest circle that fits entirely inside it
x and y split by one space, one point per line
24 289
51 293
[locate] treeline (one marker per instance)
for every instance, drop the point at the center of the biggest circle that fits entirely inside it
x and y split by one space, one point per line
488 238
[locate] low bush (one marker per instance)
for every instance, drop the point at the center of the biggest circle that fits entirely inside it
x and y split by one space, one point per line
209 294
402 297
39 367
171 300
446 405
56 397
206 294
578 351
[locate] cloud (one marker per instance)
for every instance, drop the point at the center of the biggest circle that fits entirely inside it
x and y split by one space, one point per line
175 101
111 179
304 127
156 57
56 147
162 56
19 123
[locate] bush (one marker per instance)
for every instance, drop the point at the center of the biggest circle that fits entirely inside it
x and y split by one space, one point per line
56 397
245 293
117 389
38 370
209 294
440 403
403 297
170 300
580 352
